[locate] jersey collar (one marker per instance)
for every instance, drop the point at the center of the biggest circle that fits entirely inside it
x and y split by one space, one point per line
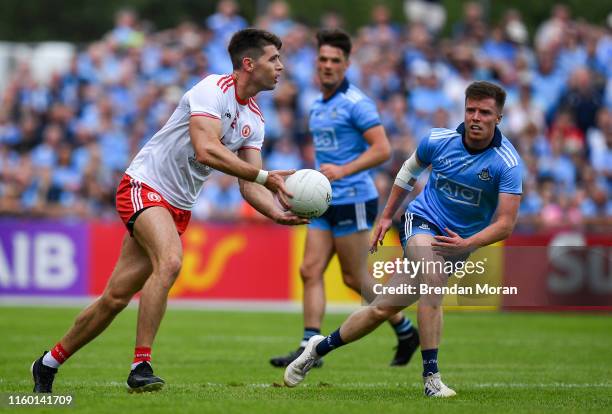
496 142
341 89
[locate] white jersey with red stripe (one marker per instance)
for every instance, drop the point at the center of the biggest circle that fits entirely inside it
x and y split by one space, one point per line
168 162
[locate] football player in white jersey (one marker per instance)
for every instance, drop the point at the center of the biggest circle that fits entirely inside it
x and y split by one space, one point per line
216 126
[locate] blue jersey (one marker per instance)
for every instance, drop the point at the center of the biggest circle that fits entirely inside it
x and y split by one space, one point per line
463 188
337 125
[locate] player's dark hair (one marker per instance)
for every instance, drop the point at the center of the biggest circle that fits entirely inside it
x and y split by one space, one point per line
483 89
335 38
250 43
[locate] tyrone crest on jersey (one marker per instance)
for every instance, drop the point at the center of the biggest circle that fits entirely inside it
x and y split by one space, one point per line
246 131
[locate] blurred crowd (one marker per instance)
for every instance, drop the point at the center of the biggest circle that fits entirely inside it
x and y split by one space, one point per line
64 144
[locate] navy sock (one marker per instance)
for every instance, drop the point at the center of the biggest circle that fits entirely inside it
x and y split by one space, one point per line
309 333
430 361
330 343
403 329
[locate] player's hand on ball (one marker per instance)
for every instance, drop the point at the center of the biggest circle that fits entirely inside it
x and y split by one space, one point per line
290 219
378 235
451 246
276 184
332 171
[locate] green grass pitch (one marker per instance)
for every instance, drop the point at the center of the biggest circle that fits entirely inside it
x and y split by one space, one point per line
216 361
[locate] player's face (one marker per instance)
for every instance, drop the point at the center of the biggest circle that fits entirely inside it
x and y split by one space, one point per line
481 117
331 66
268 68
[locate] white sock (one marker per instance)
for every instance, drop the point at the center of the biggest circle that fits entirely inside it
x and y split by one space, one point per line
49 361
303 343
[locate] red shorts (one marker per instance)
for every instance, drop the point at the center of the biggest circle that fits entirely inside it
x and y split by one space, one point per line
133 197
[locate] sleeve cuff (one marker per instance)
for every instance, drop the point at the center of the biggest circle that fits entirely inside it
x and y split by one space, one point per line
370 125
206 114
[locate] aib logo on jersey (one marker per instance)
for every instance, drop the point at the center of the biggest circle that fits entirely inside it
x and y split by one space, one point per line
458 192
484 175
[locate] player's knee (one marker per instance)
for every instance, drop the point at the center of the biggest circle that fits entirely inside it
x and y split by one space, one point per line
352 281
169 266
431 303
310 274
114 302
382 313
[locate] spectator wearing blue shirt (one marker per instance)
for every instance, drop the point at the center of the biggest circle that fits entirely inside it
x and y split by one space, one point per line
427 96
45 154
226 21
547 82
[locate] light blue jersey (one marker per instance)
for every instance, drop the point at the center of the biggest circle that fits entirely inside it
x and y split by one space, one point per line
463 188
337 125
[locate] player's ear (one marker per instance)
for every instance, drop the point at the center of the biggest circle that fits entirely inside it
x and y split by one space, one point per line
248 64
499 118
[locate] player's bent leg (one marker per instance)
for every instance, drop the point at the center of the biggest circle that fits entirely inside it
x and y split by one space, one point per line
430 320
352 250
365 320
296 371
358 324
318 251
130 273
156 232
418 247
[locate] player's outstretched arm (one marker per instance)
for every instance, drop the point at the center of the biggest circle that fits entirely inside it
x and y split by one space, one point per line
404 183
379 152
205 136
260 197
499 229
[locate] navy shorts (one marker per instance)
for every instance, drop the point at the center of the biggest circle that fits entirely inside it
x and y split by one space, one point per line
413 224
345 219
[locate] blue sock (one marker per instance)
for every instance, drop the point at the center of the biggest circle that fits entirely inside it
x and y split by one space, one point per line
403 329
430 361
330 343
309 333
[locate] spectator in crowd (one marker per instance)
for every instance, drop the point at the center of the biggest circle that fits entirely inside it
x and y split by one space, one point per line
583 98
472 28
226 21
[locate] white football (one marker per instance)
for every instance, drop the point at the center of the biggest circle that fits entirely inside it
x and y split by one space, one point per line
311 192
